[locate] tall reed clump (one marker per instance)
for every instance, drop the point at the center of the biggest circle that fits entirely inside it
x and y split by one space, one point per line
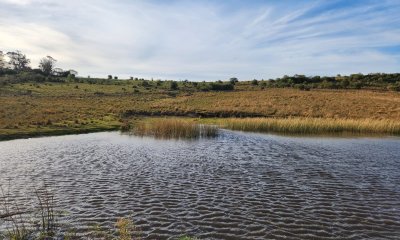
312 125
24 221
174 128
18 217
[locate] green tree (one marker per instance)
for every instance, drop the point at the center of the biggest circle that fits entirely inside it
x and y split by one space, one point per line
345 83
18 61
47 65
174 85
233 80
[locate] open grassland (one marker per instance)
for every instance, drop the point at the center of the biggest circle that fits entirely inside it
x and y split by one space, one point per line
288 103
29 109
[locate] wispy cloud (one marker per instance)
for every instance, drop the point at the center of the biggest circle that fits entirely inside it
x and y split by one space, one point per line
206 40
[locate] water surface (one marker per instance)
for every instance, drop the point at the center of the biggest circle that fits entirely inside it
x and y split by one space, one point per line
236 186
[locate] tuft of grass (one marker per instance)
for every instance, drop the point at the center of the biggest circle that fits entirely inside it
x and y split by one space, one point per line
173 128
312 125
126 230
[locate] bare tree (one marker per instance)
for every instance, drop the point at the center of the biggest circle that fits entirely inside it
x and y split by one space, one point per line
18 61
47 65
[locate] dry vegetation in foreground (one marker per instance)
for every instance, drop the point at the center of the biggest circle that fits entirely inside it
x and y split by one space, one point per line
38 219
173 128
29 109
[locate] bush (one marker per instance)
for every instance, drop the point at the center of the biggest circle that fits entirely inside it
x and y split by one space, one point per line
174 85
145 83
71 77
221 86
394 87
233 80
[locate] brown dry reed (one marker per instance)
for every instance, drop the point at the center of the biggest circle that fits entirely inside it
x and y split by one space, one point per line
167 128
312 125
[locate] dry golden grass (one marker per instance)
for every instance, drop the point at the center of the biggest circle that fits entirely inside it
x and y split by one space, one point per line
55 108
283 103
173 128
126 230
312 125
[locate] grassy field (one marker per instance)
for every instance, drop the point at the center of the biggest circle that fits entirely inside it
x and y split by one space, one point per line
29 109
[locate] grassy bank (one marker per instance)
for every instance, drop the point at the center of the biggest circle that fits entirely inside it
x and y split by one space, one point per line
11 134
34 109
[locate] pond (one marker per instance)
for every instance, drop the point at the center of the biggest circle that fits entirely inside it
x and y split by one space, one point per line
236 186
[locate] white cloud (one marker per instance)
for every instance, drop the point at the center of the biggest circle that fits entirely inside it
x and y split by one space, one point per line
201 40
18 2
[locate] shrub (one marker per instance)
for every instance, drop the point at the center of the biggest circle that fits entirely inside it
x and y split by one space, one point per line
221 86
394 87
173 85
233 80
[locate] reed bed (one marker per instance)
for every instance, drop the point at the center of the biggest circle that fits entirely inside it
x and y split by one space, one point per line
312 125
173 128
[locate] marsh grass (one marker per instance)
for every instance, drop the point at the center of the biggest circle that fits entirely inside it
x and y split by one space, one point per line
312 125
173 128
126 230
38 222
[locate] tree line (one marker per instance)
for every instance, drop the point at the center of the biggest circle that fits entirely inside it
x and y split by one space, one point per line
389 81
15 67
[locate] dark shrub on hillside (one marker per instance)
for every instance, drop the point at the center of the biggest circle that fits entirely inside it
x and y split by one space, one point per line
174 85
394 87
221 86
145 83
7 71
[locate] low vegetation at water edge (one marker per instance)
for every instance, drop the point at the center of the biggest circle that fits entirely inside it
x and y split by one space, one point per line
172 128
312 125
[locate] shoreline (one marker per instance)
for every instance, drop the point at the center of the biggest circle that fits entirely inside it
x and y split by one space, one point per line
54 132
279 126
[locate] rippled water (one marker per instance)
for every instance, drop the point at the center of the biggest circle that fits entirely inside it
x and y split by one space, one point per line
237 186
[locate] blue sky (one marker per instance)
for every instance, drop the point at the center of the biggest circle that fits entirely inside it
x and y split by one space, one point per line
206 39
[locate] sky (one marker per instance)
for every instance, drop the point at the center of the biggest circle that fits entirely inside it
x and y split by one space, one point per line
206 39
